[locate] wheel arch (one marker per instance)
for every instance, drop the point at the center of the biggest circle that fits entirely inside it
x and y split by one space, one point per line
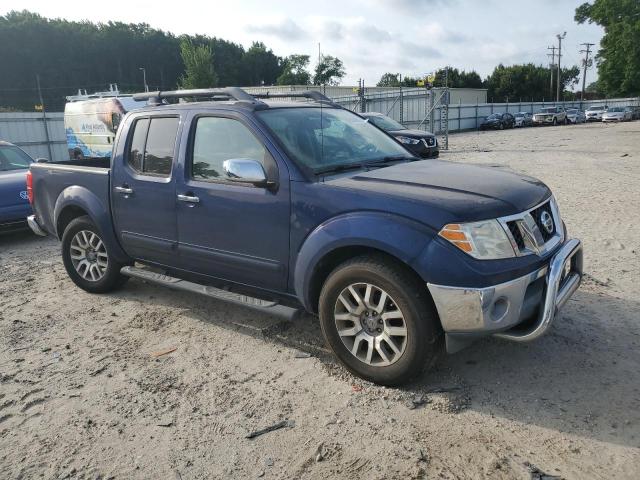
76 201
330 244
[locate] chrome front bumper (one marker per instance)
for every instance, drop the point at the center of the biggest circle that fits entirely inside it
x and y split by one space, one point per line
531 300
35 227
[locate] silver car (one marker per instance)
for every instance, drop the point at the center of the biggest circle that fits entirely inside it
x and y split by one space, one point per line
594 114
576 116
523 119
617 114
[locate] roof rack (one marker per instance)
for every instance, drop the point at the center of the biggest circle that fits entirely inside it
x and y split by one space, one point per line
310 94
228 93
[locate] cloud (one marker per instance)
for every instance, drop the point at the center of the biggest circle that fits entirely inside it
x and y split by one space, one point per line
286 30
415 5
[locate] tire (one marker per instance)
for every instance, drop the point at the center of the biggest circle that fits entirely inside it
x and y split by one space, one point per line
407 305
87 260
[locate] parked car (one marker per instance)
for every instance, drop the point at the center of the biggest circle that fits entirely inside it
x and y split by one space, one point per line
594 114
617 114
523 119
631 111
576 116
635 113
550 116
498 121
14 201
419 142
286 205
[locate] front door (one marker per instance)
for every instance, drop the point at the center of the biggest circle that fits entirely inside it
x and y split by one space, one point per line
231 231
143 189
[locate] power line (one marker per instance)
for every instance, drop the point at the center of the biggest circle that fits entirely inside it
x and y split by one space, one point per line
585 64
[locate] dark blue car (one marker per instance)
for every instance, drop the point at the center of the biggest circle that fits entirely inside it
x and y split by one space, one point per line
284 205
14 201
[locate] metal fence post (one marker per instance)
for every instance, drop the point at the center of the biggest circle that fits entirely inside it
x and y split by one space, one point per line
476 112
401 106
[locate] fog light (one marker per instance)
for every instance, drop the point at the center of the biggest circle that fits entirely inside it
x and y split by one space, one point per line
499 309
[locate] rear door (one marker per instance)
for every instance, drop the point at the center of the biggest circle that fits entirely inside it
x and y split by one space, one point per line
233 231
143 189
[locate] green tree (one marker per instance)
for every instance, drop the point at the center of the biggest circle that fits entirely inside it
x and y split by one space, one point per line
619 56
295 71
329 71
457 79
198 65
261 66
526 81
389 80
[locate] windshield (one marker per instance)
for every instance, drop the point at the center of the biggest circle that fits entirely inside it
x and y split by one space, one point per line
596 108
572 111
325 139
519 115
548 110
616 109
13 158
386 123
494 116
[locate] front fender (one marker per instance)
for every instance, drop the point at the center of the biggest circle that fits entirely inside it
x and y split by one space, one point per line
81 197
400 237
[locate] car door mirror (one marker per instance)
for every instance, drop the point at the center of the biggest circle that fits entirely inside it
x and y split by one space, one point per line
245 170
41 160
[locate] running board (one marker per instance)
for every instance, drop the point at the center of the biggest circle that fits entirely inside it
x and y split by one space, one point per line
265 306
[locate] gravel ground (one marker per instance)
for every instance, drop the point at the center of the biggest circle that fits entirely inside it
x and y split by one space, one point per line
90 386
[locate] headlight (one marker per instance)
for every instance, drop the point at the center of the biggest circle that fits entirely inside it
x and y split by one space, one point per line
408 140
485 240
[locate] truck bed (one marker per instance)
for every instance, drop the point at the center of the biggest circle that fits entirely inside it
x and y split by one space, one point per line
51 179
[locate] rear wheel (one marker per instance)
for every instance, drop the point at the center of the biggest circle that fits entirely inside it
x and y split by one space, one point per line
379 321
87 258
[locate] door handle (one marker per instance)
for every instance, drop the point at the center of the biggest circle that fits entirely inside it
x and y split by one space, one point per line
188 198
125 190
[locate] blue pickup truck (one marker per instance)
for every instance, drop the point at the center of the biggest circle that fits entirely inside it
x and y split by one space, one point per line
290 204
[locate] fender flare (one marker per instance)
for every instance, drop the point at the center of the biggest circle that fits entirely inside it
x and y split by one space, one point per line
81 197
395 235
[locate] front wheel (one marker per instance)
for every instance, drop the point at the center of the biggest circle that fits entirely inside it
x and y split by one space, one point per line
87 258
379 320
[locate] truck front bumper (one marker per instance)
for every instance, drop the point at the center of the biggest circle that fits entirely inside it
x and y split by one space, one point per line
521 310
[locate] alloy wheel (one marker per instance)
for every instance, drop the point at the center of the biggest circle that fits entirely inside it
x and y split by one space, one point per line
370 324
89 255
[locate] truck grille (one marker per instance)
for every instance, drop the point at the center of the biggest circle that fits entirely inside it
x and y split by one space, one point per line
537 215
536 230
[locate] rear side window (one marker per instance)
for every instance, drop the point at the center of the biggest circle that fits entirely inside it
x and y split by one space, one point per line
152 145
218 139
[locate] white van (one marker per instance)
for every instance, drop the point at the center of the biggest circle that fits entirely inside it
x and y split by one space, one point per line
91 122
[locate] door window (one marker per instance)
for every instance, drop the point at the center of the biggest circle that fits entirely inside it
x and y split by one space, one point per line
152 145
218 139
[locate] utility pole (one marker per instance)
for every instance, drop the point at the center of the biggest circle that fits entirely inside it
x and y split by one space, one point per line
44 118
144 78
585 64
559 79
551 65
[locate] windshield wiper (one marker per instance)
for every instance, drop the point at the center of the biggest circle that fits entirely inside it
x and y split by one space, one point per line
377 163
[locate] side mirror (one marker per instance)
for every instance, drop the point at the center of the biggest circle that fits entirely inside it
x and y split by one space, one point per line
42 160
245 170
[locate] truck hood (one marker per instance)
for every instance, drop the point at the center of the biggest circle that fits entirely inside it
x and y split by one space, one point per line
464 192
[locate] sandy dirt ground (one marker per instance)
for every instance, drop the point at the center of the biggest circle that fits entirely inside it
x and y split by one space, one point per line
84 394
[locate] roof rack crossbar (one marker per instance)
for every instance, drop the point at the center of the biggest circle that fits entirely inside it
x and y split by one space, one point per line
310 94
233 93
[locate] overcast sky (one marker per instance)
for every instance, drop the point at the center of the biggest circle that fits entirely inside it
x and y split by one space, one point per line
412 37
